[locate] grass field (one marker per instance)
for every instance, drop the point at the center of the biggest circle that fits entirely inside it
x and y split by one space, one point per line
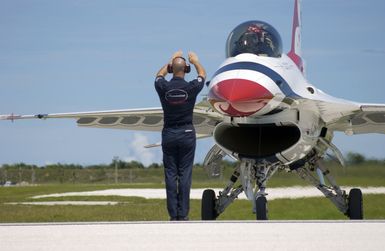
136 208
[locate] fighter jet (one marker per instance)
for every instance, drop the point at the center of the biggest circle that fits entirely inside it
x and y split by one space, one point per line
262 112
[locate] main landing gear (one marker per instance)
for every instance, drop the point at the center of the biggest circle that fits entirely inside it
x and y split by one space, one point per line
251 172
351 205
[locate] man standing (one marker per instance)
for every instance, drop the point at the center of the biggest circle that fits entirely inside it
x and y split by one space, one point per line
178 97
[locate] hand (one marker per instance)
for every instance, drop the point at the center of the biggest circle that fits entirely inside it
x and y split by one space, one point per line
193 58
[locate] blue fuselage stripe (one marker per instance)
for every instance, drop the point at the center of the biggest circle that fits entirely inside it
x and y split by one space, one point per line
278 79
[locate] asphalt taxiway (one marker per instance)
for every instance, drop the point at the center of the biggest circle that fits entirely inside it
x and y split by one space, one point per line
196 235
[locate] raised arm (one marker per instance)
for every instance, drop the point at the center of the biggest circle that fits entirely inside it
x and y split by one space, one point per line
162 72
193 58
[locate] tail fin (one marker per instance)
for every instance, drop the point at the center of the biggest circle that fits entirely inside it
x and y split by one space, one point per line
295 51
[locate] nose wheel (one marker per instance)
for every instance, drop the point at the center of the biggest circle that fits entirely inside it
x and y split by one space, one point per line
261 208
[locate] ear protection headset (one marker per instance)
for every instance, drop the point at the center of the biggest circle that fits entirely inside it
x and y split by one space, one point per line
187 68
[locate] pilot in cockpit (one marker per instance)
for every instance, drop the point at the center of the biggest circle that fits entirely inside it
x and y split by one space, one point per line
254 37
255 42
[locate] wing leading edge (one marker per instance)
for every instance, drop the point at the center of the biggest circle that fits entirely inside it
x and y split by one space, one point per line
149 119
347 116
369 118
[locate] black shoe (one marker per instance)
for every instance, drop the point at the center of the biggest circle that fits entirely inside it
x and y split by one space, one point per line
183 218
173 219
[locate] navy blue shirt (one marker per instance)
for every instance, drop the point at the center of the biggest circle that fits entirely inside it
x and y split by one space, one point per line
178 97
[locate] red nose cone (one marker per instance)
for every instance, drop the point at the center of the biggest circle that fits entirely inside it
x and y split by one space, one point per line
241 90
239 97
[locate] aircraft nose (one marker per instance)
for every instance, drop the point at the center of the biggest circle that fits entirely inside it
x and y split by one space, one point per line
239 97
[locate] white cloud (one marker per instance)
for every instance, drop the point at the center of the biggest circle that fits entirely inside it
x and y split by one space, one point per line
147 156
137 151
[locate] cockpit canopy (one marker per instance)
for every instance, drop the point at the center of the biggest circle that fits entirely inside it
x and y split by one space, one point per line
255 37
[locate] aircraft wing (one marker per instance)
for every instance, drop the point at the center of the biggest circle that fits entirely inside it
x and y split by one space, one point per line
347 116
149 119
368 118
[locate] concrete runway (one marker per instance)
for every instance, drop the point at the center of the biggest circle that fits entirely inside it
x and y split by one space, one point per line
220 235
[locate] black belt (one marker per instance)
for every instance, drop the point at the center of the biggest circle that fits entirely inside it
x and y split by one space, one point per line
177 124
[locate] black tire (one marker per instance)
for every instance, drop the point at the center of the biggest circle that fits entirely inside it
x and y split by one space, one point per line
208 205
261 206
355 211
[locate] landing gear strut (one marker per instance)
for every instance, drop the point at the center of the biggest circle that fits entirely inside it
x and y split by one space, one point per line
212 207
254 176
350 205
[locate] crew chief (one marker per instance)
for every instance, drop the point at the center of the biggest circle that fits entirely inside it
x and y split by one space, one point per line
178 97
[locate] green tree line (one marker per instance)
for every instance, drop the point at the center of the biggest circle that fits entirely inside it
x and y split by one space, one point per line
119 171
351 159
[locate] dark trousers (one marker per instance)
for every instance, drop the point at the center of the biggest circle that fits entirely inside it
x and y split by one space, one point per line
178 145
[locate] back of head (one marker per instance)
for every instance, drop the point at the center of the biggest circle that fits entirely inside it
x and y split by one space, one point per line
178 65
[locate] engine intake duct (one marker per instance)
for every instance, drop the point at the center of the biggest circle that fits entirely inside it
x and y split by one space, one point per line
256 141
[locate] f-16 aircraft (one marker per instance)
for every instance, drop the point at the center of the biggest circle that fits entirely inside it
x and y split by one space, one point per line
262 112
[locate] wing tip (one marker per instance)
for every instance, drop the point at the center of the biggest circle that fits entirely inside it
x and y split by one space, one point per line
11 117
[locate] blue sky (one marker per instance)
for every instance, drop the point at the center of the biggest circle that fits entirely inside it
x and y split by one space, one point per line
68 56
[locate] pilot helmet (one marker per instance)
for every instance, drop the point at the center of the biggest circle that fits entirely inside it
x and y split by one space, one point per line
254 37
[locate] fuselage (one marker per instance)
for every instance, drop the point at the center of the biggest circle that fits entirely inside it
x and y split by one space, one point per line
262 100
271 112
